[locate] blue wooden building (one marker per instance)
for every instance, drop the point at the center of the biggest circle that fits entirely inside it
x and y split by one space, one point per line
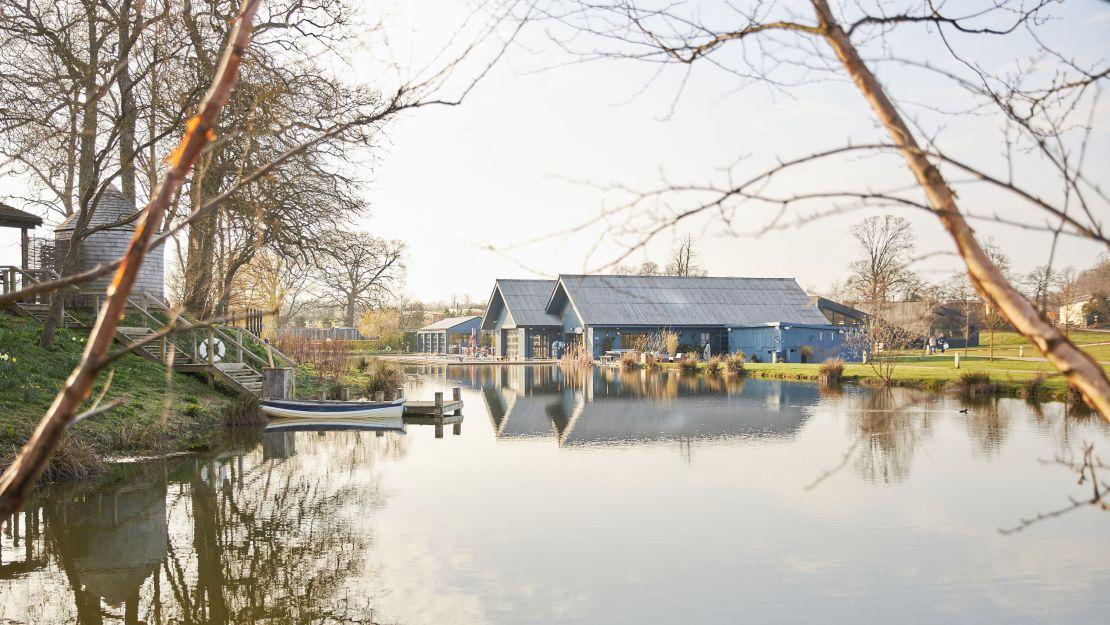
770 318
447 336
517 317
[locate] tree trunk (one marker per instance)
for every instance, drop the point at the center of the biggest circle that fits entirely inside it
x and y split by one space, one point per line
1080 369
126 102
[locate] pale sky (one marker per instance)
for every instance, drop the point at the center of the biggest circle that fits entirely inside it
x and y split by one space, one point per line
510 164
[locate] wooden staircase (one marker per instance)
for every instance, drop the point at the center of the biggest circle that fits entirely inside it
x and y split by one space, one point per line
225 355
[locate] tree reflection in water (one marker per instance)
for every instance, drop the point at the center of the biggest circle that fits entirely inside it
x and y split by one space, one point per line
269 534
890 427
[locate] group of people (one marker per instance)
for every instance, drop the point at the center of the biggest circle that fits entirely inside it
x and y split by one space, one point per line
937 344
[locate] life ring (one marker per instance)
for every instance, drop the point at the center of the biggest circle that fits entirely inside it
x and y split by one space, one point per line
218 350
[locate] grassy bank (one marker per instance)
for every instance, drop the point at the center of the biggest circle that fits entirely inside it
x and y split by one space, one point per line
30 377
1010 377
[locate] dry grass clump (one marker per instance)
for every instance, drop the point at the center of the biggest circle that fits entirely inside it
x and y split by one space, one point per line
651 362
831 371
576 358
1032 388
74 459
689 363
329 360
630 361
386 377
242 411
714 366
734 363
976 385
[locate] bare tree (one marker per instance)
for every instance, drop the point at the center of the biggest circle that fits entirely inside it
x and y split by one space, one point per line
885 244
775 44
359 271
683 260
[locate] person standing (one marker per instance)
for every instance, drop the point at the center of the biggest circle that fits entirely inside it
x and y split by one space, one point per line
706 350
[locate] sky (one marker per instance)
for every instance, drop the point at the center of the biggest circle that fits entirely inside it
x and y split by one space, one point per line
536 147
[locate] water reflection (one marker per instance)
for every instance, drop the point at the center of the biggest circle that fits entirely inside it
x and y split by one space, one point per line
607 406
262 534
340 526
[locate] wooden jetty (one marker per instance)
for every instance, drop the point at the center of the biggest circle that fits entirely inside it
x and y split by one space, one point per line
438 407
437 412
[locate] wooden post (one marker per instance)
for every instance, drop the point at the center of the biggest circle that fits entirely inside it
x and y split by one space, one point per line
163 349
379 396
345 394
456 429
323 395
277 383
239 340
211 347
456 395
400 393
439 401
439 430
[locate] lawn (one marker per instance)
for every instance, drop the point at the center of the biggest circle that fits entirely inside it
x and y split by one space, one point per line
1007 344
30 377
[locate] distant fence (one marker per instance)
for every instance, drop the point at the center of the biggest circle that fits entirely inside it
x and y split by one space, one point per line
324 334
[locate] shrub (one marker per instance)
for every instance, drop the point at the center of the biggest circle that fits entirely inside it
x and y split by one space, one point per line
1032 388
831 371
363 364
670 341
734 363
976 384
651 362
755 358
714 366
807 352
576 358
630 361
689 363
386 378
243 411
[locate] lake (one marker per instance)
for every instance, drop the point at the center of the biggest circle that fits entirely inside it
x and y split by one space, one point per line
597 497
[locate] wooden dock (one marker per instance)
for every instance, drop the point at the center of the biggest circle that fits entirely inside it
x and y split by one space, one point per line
438 407
437 413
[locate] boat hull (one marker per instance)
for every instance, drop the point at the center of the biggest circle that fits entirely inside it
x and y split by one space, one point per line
330 411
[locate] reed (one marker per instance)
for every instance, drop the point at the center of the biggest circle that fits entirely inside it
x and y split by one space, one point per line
714 366
630 361
831 371
734 363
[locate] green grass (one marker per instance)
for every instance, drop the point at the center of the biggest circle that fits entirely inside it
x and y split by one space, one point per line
1007 344
30 377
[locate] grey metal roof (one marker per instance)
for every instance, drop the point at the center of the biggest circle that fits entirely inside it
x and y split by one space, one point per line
112 206
447 324
12 217
527 301
670 301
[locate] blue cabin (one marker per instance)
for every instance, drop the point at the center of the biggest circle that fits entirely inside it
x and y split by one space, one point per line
448 336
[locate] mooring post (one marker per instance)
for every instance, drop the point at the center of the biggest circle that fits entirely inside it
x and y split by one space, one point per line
439 430
456 429
957 360
439 409
379 396
345 394
456 396
400 393
323 395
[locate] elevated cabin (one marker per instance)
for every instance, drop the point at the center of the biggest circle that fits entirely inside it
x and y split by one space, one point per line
114 209
517 318
448 336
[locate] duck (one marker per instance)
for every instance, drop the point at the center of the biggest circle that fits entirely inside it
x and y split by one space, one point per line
963 410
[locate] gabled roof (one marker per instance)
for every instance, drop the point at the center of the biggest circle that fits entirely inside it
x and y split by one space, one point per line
12 217
525 300
448 323
687 301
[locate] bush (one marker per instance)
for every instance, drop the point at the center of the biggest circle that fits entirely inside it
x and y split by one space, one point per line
576 358
363 364
385 378
243 411
807 352
734 363
1032 388
630 361
651 362
976 384
689 363
714 366
831 371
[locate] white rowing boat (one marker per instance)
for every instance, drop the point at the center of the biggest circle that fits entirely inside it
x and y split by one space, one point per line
332 410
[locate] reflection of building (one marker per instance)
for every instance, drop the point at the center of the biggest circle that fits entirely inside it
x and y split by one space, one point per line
609 313
115 539
600 409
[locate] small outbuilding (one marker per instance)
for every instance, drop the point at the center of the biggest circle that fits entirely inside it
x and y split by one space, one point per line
114 209
11 217
448 336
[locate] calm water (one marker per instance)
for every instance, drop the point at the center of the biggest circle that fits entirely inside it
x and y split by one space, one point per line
600 498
